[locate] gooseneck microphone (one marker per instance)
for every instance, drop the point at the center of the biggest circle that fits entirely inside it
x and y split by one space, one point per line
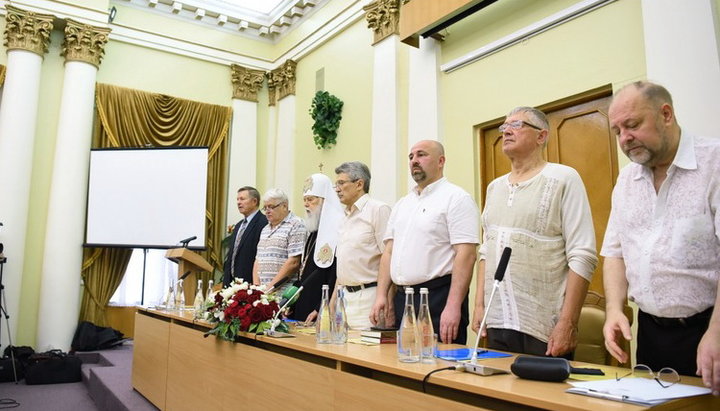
187 240
499 275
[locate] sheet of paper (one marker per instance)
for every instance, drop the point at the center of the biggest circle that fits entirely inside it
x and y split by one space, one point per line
636 390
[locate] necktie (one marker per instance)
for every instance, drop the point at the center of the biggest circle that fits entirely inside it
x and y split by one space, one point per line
241 230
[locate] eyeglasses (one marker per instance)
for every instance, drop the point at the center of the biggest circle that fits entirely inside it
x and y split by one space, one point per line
271 207
666 377
516 125
341 183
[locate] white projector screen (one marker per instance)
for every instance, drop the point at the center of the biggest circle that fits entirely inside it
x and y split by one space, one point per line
147 198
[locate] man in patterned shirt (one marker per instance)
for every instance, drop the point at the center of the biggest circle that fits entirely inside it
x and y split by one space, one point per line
662 244
541 211
281 243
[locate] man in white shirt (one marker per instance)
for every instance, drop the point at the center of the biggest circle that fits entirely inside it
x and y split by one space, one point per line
431 242
662 244
361 241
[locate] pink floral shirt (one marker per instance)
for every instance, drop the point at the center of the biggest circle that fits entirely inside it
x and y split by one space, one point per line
670 240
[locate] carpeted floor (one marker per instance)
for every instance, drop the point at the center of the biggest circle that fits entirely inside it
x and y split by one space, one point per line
106 386
57 397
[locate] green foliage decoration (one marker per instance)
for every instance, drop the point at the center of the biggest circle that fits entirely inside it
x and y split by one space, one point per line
326 110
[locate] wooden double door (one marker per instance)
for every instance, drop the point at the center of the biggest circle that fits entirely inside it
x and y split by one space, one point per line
580 137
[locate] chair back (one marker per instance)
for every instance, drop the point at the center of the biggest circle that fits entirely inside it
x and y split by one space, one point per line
591 342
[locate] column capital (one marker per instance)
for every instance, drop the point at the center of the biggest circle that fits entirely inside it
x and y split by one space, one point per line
84 42
281 81
246 82
383 17
27 30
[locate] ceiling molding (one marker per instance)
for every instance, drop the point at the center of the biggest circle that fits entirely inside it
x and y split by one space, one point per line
220 15
344 19
161 42
167 44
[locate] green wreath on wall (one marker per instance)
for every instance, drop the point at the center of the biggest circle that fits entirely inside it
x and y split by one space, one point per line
326 110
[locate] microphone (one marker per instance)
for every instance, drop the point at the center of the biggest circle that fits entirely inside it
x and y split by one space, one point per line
499 275
184 276
187 240
551 369
502 265
271 332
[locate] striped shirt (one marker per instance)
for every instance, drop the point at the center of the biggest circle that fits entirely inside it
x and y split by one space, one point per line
277 244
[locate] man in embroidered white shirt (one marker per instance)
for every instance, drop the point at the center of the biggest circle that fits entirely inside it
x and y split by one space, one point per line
431 242
662 244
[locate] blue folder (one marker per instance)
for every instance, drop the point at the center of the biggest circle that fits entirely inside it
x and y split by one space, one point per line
459 354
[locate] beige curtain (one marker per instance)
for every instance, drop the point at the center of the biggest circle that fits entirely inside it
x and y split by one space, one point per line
2 75
102 272
132 118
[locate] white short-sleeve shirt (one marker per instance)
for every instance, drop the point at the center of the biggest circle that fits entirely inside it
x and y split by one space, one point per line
424 227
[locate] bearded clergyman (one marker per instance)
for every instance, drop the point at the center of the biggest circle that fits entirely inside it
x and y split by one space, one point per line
318 264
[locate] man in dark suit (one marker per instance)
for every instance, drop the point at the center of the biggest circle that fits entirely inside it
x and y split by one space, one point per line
245 236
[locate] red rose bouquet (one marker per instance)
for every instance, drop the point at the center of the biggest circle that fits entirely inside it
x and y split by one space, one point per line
242 307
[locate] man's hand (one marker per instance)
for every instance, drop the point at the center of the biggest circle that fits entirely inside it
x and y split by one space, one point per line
708 359
311 317
563 339
478 314
449 324
616 328
379 311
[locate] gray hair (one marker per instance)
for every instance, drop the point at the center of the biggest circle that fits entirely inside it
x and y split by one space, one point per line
356 171
655 94
537 117
252 192
276 194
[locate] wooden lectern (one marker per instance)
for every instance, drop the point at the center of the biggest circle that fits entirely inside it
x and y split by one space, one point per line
189 261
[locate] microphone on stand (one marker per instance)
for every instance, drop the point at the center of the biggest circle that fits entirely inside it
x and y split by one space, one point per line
271 332
499 275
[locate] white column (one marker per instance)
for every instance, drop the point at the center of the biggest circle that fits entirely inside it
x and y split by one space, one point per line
17 135
681 53
384 139
271 144
62 261
243 152
423 98
285 145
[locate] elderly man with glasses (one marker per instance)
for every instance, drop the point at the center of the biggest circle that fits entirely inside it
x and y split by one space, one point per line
281 244
541 211
361 241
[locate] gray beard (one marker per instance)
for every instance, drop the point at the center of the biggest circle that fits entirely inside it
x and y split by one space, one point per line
312 220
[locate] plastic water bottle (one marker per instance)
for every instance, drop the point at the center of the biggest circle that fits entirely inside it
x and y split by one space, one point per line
425 326
323 328
408 343
339 324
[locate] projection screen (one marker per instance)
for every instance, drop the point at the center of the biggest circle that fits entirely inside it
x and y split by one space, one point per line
147 198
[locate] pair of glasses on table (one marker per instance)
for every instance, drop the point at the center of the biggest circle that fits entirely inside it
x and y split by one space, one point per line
666 377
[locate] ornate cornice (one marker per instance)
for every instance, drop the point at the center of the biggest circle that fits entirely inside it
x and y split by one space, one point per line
246 82
27 30
84 42
281 81
383 17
